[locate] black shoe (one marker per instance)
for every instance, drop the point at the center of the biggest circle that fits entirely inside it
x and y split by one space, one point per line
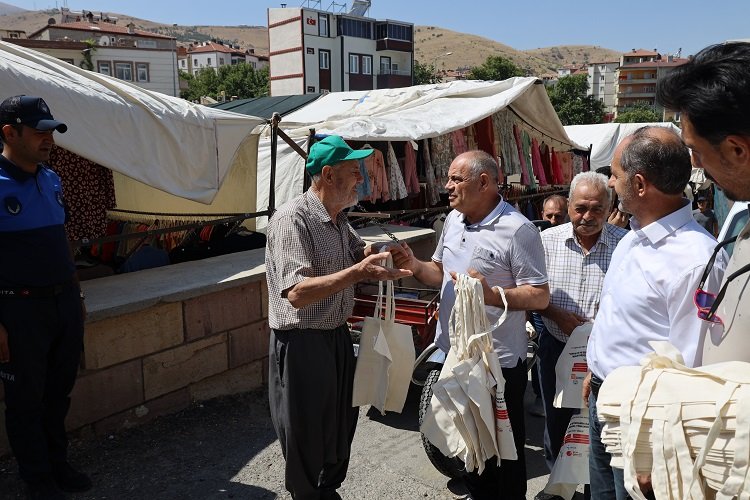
44 489
70 480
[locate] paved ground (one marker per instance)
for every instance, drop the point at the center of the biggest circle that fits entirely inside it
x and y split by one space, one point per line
226 448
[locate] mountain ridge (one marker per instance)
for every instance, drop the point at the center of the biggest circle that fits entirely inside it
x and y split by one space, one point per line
446 49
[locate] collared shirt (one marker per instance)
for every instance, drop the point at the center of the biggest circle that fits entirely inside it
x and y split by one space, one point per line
575 278
648 293
303 241
34 248
730 342
505 248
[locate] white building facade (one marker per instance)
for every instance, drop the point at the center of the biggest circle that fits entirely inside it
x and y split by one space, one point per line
315 51
602 80
146 59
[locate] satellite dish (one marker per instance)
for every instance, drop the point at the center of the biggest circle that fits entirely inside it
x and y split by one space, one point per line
104 40
51 20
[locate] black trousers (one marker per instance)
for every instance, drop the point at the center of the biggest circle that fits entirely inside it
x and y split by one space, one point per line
311 374
507 482
45 338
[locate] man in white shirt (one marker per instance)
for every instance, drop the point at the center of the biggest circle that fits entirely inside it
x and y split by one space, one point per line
486 238
654 272
712 93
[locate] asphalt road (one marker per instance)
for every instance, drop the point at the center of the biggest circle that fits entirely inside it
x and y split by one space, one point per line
226 448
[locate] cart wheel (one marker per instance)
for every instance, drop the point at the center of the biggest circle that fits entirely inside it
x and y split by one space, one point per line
450 467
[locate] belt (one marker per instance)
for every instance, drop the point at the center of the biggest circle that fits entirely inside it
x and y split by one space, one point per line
33 291
595 385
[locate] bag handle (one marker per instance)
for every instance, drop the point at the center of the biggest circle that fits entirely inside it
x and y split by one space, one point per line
385 305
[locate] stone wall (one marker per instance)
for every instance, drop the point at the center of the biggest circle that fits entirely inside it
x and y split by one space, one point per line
156 361
157 340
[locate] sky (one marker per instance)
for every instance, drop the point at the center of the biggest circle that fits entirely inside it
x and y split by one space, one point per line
665 25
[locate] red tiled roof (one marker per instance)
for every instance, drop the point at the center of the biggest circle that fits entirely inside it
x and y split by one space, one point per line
213 47
641 52
102 28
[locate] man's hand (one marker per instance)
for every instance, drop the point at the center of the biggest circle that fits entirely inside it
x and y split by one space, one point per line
4 349
644 483
490 298
371 267
569 321
618 218
586 390
403 257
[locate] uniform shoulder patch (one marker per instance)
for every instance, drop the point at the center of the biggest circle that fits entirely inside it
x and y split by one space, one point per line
12 205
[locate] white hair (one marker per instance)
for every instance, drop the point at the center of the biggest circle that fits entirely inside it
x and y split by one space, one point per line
594 179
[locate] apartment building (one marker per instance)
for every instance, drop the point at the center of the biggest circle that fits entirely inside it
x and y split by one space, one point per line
602 79
637 77
146 59
215 54
315 51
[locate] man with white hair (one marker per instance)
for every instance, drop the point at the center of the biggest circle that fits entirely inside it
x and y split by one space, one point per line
577 255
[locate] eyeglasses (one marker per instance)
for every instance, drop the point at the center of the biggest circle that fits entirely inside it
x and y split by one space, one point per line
706 302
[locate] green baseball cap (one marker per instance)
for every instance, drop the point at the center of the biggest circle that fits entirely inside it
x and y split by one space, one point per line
330 151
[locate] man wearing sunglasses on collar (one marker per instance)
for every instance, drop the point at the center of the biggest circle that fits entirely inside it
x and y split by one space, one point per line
650 284
712 94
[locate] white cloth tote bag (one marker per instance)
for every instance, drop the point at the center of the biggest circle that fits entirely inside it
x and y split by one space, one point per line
572 464
386 357
571 369
467 417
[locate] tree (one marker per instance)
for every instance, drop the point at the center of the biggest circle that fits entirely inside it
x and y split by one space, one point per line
573 106
241 80
495 68
424 73
639 113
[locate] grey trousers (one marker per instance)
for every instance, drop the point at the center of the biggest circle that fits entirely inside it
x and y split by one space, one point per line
311 373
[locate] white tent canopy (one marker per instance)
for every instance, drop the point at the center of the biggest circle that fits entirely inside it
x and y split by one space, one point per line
161 141
604 138
411 113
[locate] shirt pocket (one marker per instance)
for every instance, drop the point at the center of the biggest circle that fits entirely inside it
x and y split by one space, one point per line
484 261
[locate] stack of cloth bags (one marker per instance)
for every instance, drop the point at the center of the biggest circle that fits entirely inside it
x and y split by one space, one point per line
689 428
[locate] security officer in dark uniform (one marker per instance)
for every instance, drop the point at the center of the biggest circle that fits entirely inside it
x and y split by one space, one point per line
41 305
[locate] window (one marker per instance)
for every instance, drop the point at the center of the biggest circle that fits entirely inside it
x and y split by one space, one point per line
141 72
146 44
353 64
182 63
355 27
394 31
124 71
385 65
104 68
323 24
208 62
221 61
195 62
601 99
601 78
366 65
324 58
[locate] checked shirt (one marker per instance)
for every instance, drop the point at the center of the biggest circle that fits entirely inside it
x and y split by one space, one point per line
304 242
575 279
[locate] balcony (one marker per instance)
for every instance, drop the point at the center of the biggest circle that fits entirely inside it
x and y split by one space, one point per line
626 81
393 44
394 78
627 95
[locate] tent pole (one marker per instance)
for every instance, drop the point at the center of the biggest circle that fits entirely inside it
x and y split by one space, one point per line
307 180
275 119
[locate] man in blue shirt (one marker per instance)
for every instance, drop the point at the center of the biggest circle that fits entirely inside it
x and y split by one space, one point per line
41 308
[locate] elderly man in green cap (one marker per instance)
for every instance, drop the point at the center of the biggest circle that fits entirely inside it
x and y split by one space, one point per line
313 259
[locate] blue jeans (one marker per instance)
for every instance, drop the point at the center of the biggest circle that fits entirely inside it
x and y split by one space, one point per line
607 482
556 419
